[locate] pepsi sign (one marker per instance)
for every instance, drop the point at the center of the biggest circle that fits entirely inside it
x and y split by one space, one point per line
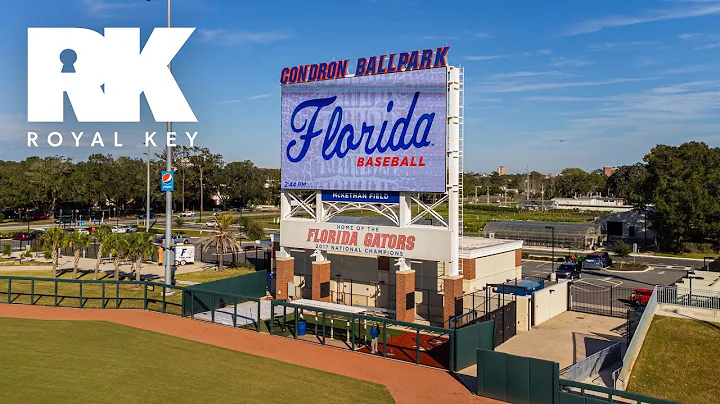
167 181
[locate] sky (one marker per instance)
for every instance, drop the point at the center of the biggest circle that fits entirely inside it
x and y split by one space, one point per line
548 84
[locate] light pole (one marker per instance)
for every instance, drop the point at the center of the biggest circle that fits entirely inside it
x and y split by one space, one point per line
117 219
168 198
552 273
147 197
476 187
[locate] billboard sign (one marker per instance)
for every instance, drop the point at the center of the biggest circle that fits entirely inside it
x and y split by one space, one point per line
370 132
361 196
419 242
167 181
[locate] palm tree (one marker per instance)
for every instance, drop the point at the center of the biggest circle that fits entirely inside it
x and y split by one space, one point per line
54 238
140 247
77 241
117 245
100 236
224 239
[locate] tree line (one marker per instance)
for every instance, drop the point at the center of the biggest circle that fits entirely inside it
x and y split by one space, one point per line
52 183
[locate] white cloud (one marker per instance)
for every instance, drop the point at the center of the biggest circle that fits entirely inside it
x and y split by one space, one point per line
250 98
225 37
708 46
596 25
565 62
500 76
690 35
513 87
618 46
544 51
551 98
105 8
486 57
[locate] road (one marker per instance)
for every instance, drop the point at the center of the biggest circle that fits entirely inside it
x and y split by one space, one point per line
657 275
640 259
133 222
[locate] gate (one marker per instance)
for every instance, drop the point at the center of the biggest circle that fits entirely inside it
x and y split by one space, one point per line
610 301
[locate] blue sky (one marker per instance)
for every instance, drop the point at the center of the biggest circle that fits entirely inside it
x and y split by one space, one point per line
548 84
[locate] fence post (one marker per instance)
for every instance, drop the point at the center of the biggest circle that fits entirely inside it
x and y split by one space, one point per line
259 317
235 312
352 331
102 294
417 347
272 315
384 339
117 295
145 303
212 311
451 360
164 306
295 332
80 304
10 290
323 326
32 291
611 300
192 303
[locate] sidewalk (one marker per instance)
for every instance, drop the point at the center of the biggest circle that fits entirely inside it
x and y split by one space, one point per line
561 251
66 262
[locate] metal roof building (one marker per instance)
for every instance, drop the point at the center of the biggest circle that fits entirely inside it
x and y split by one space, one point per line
567 235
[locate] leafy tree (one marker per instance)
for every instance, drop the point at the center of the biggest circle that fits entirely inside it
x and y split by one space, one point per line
224 239
140 247
252 228
7 249
627 182
621 249
52 239
205 163
101 236
117 245
242 183
77 241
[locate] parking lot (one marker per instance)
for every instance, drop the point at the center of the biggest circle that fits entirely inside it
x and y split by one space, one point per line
656 275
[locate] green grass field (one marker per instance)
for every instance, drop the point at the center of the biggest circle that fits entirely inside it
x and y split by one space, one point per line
679 361
94 362
212 275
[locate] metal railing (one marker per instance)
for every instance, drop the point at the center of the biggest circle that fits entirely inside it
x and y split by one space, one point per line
633 349
594 363
604 394
683 296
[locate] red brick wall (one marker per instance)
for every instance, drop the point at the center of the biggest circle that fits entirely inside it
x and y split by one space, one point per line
404 284
284 271
320 274
452 298
518 257
468 269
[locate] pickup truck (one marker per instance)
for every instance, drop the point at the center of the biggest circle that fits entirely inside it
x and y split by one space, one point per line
640 297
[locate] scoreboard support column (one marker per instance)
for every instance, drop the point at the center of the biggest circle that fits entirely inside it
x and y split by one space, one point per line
454 168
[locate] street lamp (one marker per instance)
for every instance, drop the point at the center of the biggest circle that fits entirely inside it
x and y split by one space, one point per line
476 187
168 197
147 197
117 219
552 274
707 266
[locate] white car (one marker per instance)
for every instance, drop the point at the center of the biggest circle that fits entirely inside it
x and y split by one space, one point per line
83 231
118 229
212 223
186 214
129 229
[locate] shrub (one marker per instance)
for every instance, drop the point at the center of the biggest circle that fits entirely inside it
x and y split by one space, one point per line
2 217
621 249
47 255
7 250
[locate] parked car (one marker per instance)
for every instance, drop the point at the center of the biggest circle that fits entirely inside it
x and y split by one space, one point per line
83 230
251 247
176 239
212 223
152 216
598 260
186 214
640 297
569 270
22 236
129 229
40 216
118 229
36 233
216 212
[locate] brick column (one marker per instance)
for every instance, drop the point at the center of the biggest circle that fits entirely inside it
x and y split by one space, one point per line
468 268
404 284
452 298
518 257
320 275
284 273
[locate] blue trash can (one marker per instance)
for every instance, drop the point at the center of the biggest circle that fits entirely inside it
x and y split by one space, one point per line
301 327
